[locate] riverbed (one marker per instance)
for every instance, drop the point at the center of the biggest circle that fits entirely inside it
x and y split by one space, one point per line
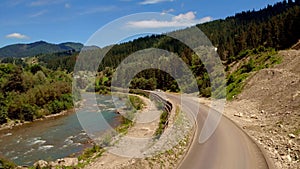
57 137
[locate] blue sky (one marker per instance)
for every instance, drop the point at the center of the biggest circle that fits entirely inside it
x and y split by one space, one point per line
56 21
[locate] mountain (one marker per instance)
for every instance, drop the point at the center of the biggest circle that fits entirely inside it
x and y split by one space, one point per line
75 46
40 47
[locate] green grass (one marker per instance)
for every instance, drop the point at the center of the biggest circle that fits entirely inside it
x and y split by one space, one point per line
297 132
162 124
136 102
6 164
91 152
88 155
236 84
139 92
126 122
163 118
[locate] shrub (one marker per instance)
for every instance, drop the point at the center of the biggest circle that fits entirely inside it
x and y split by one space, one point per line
90 152
28 112
6 164
3 117
136 102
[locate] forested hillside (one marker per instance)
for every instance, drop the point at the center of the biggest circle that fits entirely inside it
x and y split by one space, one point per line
31 92
276 26
251 32
36 48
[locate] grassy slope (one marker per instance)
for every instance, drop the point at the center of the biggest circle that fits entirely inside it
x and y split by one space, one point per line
253 60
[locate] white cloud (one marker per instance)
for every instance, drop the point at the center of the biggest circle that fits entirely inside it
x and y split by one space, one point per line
206 19
40 2
167 11
38 14
148 2
14 3
98 10
45 2
67 5
16 36
187 16
181 20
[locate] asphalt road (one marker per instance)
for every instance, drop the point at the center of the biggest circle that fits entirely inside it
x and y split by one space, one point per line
228 148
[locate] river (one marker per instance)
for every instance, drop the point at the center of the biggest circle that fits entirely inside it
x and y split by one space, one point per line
56 137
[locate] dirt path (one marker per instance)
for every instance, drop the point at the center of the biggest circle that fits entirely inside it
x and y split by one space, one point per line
137 149
136 140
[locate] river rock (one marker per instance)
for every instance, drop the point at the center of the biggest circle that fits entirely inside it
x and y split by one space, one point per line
67 162
40 164
292 136
70 162
20 167
253 116
238 114
287 158
53 164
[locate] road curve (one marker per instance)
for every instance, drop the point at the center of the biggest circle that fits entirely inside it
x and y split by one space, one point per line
228 148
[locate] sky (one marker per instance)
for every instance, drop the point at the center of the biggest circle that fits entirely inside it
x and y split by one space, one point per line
57 21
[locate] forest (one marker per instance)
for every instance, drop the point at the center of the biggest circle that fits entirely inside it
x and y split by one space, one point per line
30 91
276 27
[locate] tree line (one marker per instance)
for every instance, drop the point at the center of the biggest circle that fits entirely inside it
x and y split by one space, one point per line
31 92
276 26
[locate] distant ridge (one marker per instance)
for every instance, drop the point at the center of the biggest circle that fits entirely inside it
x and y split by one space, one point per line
39 47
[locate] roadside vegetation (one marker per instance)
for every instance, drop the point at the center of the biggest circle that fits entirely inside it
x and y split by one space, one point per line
136 102
164 117
163 122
